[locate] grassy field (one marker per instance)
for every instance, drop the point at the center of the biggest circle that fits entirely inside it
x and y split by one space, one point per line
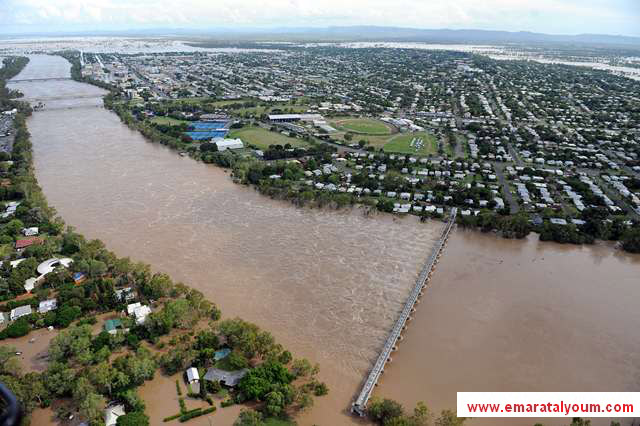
299 107
259 110
366 126
263 138
401 144
167 120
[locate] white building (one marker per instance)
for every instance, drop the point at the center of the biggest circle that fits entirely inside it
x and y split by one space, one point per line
19 312
224 144
192 375
131 308
112 413
47 305
142 313
30 232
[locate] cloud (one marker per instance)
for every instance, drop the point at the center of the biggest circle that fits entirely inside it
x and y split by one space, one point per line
557 16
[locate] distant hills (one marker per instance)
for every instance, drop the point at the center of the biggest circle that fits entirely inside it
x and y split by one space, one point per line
367 33
372 33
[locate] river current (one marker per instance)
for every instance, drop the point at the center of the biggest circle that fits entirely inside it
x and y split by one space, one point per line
500 315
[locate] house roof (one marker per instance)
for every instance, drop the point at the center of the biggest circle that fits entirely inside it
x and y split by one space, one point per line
112 413
192 374
20 311
131 308
47 305
112 324
50 264
78 276
28 242
228 378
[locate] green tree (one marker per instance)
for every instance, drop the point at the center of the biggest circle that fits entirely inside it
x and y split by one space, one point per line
285 357
135 418
274 403
449 418
13 227
249 418
631 240
9 363
92 408
303 368
263 379
383 410
132 401
17 328
237 361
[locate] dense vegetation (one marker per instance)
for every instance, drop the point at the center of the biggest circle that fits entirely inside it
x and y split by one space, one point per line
11 66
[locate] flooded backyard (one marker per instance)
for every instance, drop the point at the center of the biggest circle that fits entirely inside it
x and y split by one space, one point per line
499 315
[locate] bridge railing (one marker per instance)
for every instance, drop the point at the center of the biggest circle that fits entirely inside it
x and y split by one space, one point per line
359 406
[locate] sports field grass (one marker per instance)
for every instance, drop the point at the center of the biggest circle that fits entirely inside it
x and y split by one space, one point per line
263 138
367 126
402 144
167 120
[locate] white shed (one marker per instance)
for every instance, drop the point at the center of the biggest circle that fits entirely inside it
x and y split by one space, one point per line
224 144
192 375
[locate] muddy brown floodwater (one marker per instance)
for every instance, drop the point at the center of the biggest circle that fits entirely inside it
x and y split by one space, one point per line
500 315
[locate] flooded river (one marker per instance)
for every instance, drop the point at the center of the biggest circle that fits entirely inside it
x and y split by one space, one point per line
501 315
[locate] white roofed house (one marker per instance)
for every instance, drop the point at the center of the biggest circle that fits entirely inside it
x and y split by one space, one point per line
111 414
131 308
47 305
20 312
141 313
30 232
193 379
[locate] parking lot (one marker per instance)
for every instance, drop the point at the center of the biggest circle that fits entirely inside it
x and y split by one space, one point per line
7 134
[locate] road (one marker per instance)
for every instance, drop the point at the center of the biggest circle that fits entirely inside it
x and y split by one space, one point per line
506 191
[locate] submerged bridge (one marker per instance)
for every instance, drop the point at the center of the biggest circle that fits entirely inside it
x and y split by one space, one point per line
27 80
360 405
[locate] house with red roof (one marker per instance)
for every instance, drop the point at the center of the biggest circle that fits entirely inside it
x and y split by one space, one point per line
28 242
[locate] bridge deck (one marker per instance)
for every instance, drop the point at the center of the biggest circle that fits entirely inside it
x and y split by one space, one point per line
360 404
24 80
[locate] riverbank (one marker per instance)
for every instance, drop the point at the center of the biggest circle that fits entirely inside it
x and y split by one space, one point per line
388 182
83 371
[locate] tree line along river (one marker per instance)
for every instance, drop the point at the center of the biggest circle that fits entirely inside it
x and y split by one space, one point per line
499 315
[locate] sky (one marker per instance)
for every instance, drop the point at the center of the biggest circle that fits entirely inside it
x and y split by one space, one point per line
616 17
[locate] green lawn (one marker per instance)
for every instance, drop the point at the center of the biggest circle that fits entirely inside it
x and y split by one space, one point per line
402 144
167 120
259 110
6 250
367 126
263 138
299 107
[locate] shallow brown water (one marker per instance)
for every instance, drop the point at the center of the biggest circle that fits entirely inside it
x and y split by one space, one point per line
503 315
500 315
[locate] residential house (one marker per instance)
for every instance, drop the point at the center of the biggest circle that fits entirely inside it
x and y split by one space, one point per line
19 312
